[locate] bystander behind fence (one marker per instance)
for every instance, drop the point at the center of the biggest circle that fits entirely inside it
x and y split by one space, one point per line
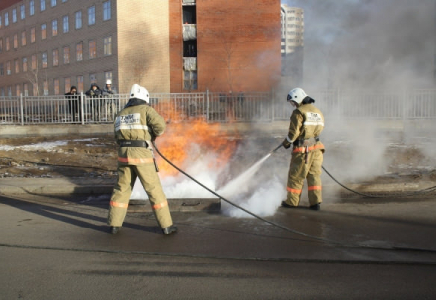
221 107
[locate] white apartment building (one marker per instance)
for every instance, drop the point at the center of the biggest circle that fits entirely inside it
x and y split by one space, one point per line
292 21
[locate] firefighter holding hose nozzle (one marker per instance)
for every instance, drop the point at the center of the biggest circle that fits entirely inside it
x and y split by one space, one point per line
136 125
307 123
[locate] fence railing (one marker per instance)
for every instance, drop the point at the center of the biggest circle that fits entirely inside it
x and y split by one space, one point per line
220 107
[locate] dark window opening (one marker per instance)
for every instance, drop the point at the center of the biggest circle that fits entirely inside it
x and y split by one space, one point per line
190 49
189 15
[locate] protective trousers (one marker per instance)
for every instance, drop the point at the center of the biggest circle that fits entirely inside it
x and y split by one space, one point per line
300 170
119 202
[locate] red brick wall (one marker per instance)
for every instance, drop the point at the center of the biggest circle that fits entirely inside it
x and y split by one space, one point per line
238 45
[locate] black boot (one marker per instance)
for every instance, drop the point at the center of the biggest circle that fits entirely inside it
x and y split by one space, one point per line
169 230
315 206
284 204
114 230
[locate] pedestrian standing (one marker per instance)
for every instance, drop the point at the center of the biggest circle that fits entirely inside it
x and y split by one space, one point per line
307 123
94 93
74 104
109 100
136 125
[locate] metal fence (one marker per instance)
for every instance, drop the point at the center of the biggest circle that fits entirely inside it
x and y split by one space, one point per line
219 107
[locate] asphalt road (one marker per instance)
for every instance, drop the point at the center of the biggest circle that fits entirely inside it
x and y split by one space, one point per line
57 247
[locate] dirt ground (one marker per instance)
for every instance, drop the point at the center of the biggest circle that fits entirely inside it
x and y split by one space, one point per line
79 156
72 156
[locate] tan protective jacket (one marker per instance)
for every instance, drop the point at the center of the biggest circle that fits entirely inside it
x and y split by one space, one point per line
307 121
135 123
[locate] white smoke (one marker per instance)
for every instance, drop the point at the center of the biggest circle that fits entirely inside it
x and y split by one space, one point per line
248 189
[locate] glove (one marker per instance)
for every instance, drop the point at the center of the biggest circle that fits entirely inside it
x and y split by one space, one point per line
286 144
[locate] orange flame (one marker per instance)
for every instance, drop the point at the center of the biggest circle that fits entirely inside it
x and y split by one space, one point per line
179 137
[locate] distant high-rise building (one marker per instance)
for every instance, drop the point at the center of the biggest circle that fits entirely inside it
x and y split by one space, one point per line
292 42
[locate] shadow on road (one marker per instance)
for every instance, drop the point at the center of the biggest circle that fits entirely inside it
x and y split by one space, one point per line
68 216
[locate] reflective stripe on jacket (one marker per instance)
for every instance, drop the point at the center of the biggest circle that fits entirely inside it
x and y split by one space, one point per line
307 121
137 122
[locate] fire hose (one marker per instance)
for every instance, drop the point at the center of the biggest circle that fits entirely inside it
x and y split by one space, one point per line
415 193
281 226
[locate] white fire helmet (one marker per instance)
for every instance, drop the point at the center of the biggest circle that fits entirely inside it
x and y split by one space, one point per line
139 92
297 95
108 81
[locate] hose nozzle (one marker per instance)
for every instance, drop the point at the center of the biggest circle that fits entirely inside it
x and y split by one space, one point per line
277 148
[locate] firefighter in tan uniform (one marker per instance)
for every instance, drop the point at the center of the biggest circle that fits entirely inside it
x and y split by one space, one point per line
135 126
306 125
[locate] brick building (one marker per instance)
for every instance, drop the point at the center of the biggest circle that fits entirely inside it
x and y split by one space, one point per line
46 46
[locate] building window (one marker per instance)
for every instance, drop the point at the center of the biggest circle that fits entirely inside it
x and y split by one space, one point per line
55 58
9 91
8 68
26 89
79 51
42 5
67 84
44 60
45 87
1 45
23 39
17 90
56 86
65 24
24 64
92 49
23 11
15 41
78 19
190 80
8 44
106 10
2 72
66 55
107 45
6 19
17 66
54 27
79 83
34 62
43 31
32 35
91 15
63 1
32 7
1 24
93 78
2 92
14 15
53 3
